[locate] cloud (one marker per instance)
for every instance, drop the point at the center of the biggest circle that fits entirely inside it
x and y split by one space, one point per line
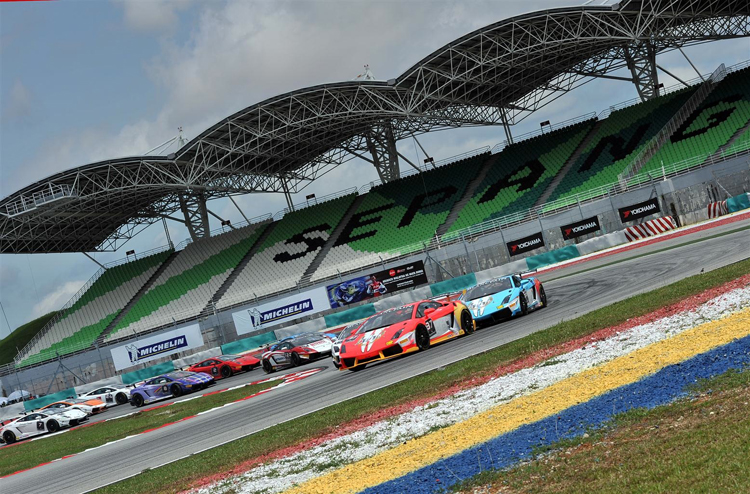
18 107
156 16
57 298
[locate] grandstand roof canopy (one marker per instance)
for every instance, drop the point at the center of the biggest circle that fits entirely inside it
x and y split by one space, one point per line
506 70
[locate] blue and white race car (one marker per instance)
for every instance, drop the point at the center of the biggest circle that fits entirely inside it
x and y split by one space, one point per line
505 297
169 385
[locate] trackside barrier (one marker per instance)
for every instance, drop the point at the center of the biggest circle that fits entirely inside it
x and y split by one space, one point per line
716 209
552 257
110 381
46 400
141 374
512 267
179 363
650 228
353 314
600 243
246 344
453 285
738 203
402 298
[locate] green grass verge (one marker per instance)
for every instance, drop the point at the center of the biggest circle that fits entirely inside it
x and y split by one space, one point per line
29 454
179 476
14 342
698 444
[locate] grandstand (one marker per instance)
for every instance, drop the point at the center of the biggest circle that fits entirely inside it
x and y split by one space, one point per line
294 138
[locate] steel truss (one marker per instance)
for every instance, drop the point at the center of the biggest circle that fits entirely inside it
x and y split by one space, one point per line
505 70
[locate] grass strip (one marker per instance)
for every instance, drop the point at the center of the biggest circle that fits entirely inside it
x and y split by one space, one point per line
179 476
698 444
30 454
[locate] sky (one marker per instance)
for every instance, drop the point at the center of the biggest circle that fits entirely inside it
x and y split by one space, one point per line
82 81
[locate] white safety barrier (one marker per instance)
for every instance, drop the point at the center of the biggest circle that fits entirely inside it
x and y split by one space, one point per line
196 357
650 228
716 209
602 242
110 381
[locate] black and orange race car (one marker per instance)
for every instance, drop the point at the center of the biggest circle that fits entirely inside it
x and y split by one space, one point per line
225 365
405 329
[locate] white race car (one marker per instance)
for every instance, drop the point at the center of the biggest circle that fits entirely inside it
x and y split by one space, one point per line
37 423
111 395
344 334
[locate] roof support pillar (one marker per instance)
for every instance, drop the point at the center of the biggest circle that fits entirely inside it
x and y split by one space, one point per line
382 147
287 195
506 126
196 215
640 58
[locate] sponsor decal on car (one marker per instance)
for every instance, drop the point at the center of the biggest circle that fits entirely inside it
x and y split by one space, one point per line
640 210
525 244
580 228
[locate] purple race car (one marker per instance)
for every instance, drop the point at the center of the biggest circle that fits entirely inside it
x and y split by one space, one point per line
169 385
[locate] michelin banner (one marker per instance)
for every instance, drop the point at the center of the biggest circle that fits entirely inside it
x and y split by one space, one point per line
154 347
270 314
376 284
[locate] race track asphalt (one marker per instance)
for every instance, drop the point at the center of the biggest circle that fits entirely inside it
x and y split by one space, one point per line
570 294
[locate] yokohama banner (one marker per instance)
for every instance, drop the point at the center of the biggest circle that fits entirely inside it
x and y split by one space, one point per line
650 228
376 284
154 347
525 244
581 228
270 314
640 210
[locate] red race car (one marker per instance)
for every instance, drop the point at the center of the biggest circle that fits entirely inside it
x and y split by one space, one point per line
296 351
405 329
225 365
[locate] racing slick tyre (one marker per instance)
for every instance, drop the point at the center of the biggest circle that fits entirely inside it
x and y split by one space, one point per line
542 296
121 398
176 390
524 304
9 437
296 361
137 400
267 367
53 426
226 371
467 323
422 338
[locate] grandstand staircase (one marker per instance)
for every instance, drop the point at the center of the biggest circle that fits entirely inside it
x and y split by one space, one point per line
656 142
208 309
146 287
732 140
322 253
568 164
468 194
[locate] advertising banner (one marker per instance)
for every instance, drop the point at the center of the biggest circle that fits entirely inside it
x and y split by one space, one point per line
640 210
580 228
525 244
154 347
376 284
270 314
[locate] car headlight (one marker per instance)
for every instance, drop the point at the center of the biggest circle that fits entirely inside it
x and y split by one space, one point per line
505 300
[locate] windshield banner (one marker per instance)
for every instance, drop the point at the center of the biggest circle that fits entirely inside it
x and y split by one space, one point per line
270 314
525 244
154 347
376 284
580 228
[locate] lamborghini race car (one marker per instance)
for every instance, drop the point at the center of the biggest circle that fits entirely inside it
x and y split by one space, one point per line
296 351
111 395
87 405
173 384
344 334
405 329
225 365
36 423
505 297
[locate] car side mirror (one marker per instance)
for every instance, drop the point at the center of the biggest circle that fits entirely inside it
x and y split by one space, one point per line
428 312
